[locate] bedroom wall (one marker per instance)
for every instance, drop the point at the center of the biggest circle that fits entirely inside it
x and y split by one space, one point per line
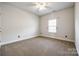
25 24
65 24
18 24
77 26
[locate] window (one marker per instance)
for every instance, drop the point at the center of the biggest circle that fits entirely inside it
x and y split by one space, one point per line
52 25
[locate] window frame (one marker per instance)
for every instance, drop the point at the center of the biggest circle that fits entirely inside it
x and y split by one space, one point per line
53 25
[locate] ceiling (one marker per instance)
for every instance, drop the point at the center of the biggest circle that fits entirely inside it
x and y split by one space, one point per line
30 6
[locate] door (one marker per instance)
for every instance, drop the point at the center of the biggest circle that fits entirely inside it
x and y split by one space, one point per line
0 30
0 24
0 33
0 27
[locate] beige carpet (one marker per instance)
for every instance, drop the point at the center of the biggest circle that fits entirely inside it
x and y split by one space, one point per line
39 46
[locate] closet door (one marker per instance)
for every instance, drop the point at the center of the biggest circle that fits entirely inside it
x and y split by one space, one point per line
0 30
0 24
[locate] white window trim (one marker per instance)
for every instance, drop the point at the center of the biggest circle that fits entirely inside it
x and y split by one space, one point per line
53 31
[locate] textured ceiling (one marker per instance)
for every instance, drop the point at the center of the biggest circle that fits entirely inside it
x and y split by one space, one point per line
52 6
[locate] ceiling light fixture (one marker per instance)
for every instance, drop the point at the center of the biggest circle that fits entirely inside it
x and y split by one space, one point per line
41 5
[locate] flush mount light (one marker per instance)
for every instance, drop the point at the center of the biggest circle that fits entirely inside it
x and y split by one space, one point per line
41 5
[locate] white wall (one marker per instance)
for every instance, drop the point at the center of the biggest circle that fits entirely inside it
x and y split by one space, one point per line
18 22
77 26
65 24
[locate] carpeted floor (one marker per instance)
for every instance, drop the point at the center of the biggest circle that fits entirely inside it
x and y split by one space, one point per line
39 46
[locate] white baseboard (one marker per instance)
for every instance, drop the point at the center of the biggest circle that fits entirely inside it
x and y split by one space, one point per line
4 43
59 38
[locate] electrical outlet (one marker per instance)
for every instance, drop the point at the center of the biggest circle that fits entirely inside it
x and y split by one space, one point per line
18 36
66 36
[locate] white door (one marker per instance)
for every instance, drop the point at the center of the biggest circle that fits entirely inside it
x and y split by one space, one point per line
0 24
0 28
0 34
